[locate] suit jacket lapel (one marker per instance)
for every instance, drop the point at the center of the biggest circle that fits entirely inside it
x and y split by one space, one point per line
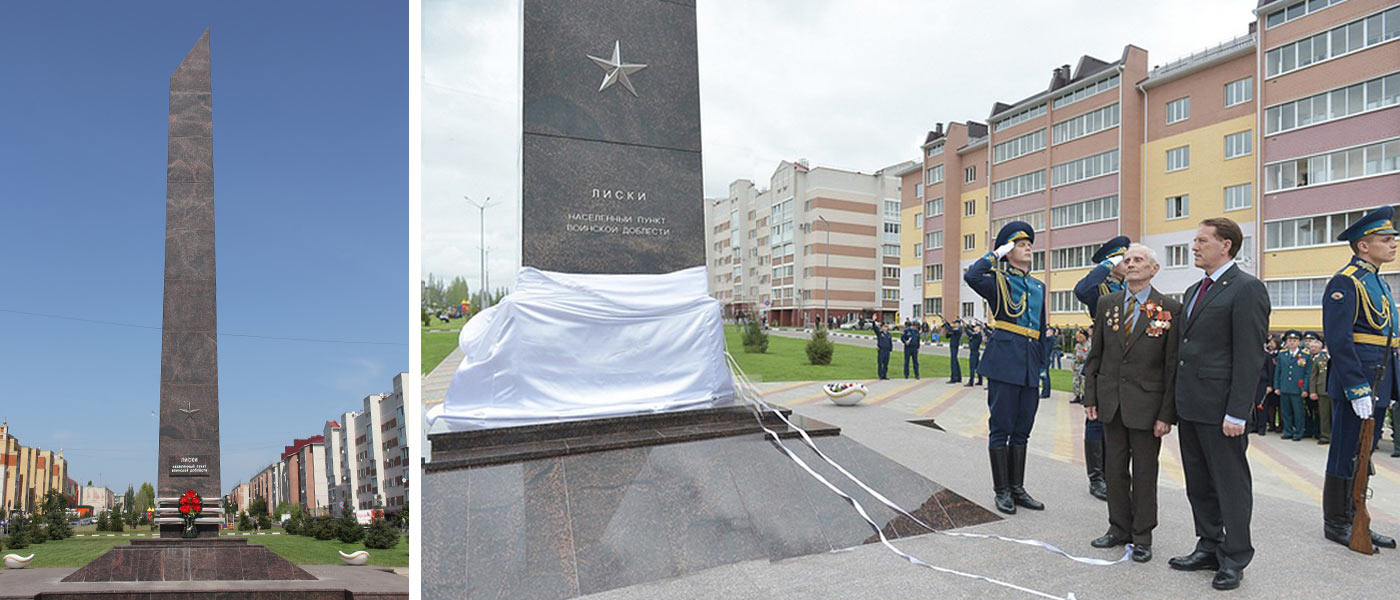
1216 289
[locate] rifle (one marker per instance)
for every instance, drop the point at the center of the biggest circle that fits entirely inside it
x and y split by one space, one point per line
1361 520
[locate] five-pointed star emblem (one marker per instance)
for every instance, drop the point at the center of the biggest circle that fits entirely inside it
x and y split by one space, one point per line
189 410
617 70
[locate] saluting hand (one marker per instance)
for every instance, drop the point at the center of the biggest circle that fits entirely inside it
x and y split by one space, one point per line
1004 249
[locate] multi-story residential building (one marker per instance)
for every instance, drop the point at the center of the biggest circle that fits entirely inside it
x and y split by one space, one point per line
911 246
737 261
1198 156
1062 161
303 480
28 473
98 497
340 478
1329 85
373 454
953 177
268 486
832 239
240 496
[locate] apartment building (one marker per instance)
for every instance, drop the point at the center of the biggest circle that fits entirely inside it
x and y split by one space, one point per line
26 473
911 245
953 186
1329 84
305 482
829 244
1199 158
374 445
268 485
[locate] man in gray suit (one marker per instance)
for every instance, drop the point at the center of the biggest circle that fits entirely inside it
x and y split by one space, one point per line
1129 383
1218 362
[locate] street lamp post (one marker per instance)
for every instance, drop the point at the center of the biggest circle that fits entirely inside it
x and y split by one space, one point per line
482 211
826 293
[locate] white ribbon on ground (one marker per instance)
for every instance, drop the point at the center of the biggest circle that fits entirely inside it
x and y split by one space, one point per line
754 398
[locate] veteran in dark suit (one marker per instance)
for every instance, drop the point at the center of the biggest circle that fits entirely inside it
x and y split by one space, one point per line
1105 278
1129 383
1016 353
1218 362
1360 325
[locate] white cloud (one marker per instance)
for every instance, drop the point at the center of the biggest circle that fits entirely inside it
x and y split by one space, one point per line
846 84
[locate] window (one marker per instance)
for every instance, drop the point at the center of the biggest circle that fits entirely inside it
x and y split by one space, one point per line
1376 93
892 233
933 273
1074 257
891 250
1296 10
1239 196
1036 219
1178 206
1085 92
890 272
970 174
933 240
1239 92
1038 260
1178 110
1088 211
1339 165
892 210
1020 117
1086 124
1021 146
1308 231
969 208
1296 293
1343 39
1238 144
918 190
935 150
918 250
967 310
1086 168
1018 185
970 241
933 306
1178 158
918 279
933 207
934 175
1063 302
889 295
916 310
1178 255
918 220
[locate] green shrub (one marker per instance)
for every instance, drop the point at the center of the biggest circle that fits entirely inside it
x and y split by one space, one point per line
326 528
102 523
381 535
819 348
244 523
19 533
755 340
294 525
348 529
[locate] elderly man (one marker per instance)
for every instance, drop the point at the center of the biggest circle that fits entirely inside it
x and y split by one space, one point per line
1129 386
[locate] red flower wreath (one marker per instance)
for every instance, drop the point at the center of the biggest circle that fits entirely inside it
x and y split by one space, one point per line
191 503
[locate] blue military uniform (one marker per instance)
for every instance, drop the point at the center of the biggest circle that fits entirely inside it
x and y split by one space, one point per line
1361 331
974 354
910 338
955 331
883 345
1098 282
1290 382
1016 352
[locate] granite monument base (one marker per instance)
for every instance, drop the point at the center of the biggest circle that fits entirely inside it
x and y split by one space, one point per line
331 582
567 509
199 559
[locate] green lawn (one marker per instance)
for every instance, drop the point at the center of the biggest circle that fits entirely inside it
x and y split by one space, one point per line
437 341
786 360
79 551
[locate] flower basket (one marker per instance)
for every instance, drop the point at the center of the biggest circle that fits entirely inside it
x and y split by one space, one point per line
845 393
190 506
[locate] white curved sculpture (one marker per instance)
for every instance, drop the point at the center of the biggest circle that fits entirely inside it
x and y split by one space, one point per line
15 561
845 394
355 558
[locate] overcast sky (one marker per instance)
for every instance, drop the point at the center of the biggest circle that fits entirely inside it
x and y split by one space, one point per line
852 85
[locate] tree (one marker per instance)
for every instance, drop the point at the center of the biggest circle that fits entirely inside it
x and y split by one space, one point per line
264 522
129 505
19 533
55 515
819 348
145 498
284 508
244 523
258 506
103 522
114 523
755 340
294 524
348 527
326 527
381 535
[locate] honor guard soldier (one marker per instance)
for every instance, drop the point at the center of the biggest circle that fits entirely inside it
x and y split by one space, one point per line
1105 278
1016 352
1317 387
1360 327
1291 382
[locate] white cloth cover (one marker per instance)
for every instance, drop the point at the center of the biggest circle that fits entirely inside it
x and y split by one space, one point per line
567 346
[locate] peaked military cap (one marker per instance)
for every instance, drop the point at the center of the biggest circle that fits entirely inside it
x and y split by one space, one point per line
1376 221
1293 333
1112 248
1015 230
1311 335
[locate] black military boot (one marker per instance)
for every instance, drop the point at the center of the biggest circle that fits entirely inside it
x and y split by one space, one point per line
1336 519
1000 481
1093 464
1017 473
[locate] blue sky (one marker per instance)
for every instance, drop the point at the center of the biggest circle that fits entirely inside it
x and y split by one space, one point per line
311 195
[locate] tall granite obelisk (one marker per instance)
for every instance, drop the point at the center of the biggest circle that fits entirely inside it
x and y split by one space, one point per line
189 358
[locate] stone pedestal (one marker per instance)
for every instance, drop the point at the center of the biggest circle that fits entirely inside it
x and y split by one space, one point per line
205 559
172 524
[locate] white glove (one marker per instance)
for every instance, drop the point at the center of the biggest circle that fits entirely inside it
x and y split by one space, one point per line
1362 406
1004 249
1114 260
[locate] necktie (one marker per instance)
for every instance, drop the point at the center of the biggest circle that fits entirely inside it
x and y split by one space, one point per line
1132 317
1201 293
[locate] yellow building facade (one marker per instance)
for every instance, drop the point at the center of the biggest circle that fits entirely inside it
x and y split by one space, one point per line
29 473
